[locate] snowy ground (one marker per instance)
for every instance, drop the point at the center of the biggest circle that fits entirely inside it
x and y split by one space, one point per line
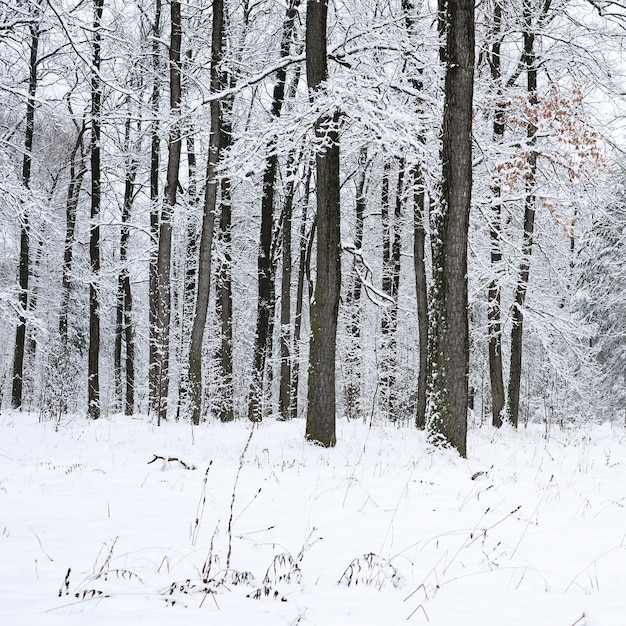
529 530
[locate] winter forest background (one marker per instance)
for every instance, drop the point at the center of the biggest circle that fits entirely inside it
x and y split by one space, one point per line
156 154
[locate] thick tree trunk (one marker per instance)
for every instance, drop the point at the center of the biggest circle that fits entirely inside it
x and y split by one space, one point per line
23 271
93 383
320 424
495 232
265 269
165 226
155 158
517 331
208 222
449 338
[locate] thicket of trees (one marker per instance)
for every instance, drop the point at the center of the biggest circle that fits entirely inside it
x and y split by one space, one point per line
400 210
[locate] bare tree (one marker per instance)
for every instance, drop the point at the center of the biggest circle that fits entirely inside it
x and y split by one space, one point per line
164 255
449 338
517 331
495 232
208 222
265 271
93 384
155 159
23 271
320 424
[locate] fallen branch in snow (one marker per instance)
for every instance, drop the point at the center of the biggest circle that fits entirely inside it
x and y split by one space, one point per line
171 459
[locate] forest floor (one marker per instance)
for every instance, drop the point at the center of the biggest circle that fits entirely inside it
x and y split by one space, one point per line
256 527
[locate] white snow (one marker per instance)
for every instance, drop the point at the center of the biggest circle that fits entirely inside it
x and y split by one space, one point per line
529 530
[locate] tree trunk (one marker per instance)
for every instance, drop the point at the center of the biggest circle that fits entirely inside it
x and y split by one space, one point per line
93 384
124 330
265 271
320 424
530 64
302 272
210 203
495 232
285 398
77 173
192 237
353 356
390 286
517 331
226 408
421 292
419 245
23 271
449 338
165 227
155 158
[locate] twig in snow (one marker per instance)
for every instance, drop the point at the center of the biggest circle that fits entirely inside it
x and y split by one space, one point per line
232 501
172 459
40 544
200 507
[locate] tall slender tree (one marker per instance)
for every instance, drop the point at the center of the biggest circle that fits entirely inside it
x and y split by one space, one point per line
124 333
208 221
517 330
354 306
265 271
495 232
164 255
155 161
416 179
224 299
23 272
320 423
449 330
93 370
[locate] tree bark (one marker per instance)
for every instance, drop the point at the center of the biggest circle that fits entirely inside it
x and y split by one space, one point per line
390 286
155 158
421 292
165 226
224 299
23 271
208 221
78 170
495 233
124 328
302 272
284 397
517 330
449 338
419 244
93 382
265 271
353 298
320 423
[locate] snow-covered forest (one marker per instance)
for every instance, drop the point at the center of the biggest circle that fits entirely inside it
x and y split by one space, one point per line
231 229
159 207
